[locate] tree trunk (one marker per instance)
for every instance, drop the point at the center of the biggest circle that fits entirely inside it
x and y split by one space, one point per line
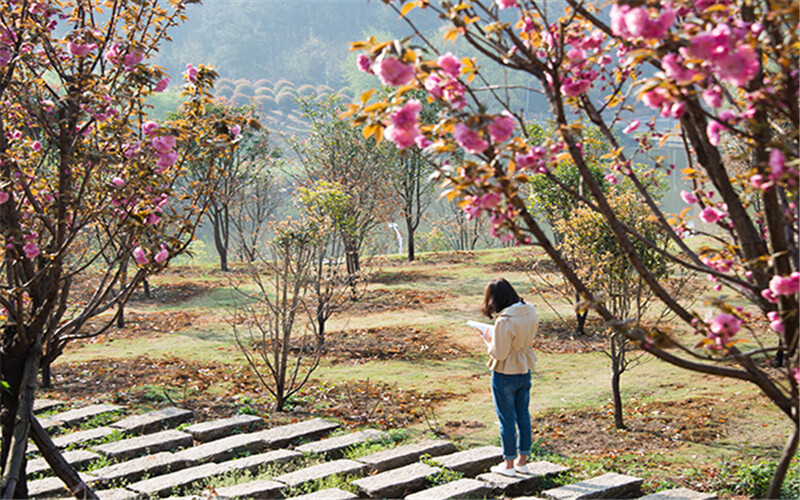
580 318
615 391
783 465
56 461
146 287
47 381
20 373
410 230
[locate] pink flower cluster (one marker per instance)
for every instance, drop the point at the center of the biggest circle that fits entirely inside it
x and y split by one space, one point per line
403 129
475 205
726 52
469 139
635 22
128 60
140 256
778 171
392 71
446 88
722 328
163 145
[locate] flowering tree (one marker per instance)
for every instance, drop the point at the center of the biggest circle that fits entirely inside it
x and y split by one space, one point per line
717 67
87 186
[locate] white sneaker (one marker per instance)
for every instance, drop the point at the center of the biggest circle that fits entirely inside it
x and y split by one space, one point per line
501 469
522 469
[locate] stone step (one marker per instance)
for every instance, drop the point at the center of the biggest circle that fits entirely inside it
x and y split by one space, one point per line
396 483
53 486
223 449
407 454
462 488
41 405
77 458
609 485
153 421
679 494
327 494
70 418
137 468
334 447
471 462
321 471
215 429
278 437
115 494
82 437
145 445
522 484
162 484
261 488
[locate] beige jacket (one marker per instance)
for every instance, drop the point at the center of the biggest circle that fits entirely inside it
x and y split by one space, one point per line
510 350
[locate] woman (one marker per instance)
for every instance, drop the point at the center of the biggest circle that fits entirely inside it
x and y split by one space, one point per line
511 360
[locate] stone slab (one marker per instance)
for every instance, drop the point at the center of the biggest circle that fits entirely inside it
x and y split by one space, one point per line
223 449
115 494
75 416
53 486
135 469
254 489
76 458
462 488
40 405
327 494
145 445
82 437
215 429
609 485
396 483
153 421
321 471
165 483
522 484
471 462
284 435
680 494
407 454
334 447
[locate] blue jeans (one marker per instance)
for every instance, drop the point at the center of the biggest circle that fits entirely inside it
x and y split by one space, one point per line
512 395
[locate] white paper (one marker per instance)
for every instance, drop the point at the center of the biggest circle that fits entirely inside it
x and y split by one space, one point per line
485 328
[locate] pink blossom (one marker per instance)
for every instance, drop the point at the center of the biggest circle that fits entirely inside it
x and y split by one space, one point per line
489 200
236 130
689 197
433 84
364 63
758 182
139 256
469 139
392 71
775 322
712 130
501 128
31 250
36 146
163 143
777 163
453 92
153 219
506 4
422 142
113 53
710 215
675 70
450 64
402 137
165 161
785 285
162 84
162 255
574 88
769 296
131 60
713 96
611 179
654 98
632 126
191 73
403 129
3 197
80 50
118 182
149 127
723 327
738 67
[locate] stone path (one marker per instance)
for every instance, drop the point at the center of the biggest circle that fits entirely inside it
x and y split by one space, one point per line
165 453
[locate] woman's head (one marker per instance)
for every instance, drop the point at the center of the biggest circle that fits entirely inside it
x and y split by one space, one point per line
498 295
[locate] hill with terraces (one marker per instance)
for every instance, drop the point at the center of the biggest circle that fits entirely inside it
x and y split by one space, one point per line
165 453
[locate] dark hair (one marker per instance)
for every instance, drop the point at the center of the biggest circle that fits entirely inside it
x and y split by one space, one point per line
498 295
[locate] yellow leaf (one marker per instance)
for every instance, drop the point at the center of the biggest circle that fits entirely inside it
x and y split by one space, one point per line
366 95
407 8
564 157
375 107
451 34
368 130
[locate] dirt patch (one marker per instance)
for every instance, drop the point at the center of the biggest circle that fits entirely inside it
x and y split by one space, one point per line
394 277
151 383
140 324
402 343
559 337
173 293
382 299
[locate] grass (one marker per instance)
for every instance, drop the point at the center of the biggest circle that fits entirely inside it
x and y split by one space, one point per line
563 383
